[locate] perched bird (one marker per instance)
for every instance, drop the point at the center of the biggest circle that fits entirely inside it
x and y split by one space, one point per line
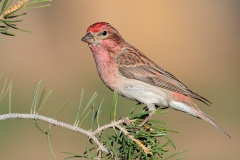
128 71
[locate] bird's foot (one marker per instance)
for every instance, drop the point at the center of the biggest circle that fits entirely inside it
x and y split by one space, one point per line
128 121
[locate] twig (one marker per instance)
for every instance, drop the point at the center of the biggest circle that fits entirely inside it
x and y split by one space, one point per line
113 124
56 123
138 142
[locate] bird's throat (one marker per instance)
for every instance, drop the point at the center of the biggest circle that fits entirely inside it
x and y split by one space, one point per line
100 55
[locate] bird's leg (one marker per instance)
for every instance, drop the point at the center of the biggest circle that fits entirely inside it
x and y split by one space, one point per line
148 117
151 108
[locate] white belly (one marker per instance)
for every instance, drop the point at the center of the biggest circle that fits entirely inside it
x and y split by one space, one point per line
144 93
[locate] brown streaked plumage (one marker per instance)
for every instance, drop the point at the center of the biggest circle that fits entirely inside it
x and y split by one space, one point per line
133 64
125 69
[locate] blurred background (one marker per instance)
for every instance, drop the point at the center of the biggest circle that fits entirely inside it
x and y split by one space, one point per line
197 41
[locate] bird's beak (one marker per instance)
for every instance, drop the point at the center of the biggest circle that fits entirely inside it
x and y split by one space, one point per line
88 38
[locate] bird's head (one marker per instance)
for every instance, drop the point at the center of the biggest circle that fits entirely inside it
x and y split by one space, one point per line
102 34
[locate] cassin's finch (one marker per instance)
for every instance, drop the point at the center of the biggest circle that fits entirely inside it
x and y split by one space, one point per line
125 69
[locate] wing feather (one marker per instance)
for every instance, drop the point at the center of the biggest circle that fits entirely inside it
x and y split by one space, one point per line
135 65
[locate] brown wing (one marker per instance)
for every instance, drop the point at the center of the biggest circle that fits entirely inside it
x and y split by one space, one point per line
135 65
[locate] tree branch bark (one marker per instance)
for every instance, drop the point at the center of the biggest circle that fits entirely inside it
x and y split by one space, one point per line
57 123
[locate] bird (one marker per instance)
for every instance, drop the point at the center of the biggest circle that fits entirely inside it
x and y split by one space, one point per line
126 70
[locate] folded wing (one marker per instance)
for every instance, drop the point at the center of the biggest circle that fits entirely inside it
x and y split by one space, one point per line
135 65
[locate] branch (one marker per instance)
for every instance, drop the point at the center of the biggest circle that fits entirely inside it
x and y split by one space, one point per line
138 142
9 14
111 125
130 139
56 123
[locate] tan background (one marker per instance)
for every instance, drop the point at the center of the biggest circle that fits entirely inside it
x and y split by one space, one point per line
197 41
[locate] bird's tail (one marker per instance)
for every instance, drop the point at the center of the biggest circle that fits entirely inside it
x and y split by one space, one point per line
185 104
205 117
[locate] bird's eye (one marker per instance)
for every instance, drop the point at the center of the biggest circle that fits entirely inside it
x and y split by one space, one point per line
104 33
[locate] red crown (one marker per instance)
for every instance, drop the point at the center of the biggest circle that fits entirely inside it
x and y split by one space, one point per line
96 27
